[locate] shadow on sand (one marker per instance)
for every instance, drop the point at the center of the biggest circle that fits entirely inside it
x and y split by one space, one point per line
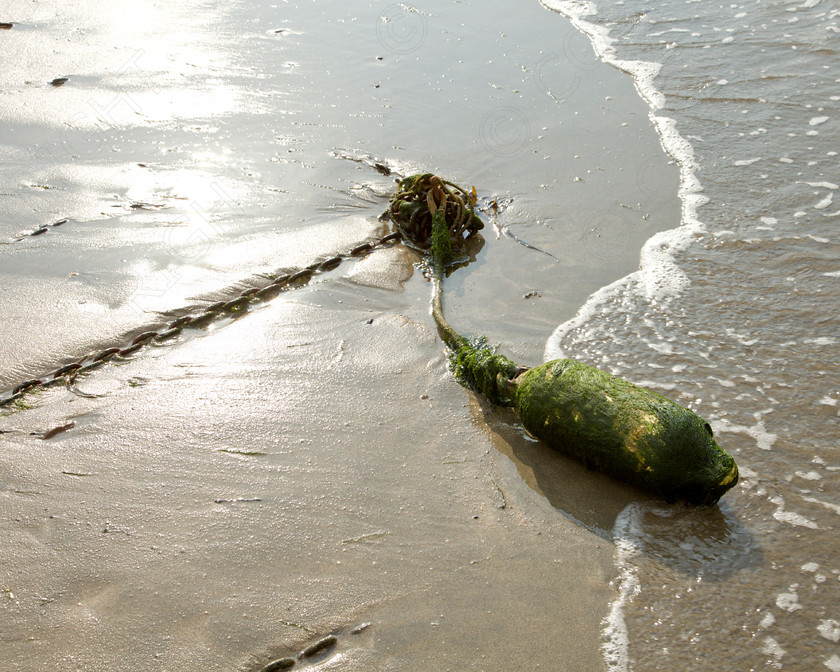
708 542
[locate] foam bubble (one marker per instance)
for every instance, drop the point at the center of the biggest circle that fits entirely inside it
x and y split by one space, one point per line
833 663
795 519
821 340
789 601
772 648
827 505
824 203
574 9
763 439
830 629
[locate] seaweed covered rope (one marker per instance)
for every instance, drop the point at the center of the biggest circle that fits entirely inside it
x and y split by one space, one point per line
610 424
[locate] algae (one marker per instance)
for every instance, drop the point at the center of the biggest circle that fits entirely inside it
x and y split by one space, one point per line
624 430
479 368
420 197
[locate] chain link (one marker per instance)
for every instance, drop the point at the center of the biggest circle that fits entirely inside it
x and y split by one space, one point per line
233 308
40 230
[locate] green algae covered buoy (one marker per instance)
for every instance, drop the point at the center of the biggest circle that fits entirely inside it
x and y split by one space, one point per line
623 430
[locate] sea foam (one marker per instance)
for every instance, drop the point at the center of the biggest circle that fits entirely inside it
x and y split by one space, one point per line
659 276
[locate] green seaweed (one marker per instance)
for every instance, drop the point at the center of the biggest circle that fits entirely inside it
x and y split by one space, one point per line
624 430
441 247
479 368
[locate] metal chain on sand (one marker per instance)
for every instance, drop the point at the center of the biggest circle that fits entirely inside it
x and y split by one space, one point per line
67 374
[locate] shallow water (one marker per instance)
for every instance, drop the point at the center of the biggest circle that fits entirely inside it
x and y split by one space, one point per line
750 340
195 149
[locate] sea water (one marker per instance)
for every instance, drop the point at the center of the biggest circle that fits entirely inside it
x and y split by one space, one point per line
735 314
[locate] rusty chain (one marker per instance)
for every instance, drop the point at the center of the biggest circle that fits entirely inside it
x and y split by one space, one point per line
40 230
235 307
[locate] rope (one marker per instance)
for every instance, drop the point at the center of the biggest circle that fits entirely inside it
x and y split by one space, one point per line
475 365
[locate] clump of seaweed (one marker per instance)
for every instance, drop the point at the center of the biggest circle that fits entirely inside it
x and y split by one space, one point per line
421 197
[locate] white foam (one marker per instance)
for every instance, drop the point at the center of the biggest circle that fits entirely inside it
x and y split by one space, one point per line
830 629
821 340
626 537
824 203
772 648
789 601
790 517
658 276
574 9
816 121
795 519
833 663
758 432
827 505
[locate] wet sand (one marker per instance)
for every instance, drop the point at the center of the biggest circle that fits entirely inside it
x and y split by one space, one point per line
230 497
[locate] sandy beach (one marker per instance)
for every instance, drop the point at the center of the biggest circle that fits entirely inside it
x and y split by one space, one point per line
229 496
